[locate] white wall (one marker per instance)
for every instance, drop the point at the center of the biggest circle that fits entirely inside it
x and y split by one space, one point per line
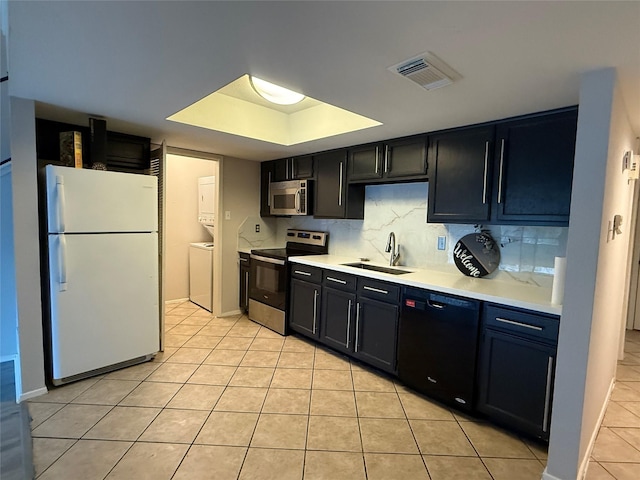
596 276
240 183
182 227
26 245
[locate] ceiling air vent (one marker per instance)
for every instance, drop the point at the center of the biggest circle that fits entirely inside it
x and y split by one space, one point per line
426 70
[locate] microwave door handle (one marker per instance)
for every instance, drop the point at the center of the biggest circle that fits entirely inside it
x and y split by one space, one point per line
297 201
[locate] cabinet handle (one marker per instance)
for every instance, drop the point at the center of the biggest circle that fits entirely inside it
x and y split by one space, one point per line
519 324
386 158
337 280
357 325
243 259
501 170
377 290
349 324
486 166
377 162
547 396
435 305
301 272
269 192
315 310
340 187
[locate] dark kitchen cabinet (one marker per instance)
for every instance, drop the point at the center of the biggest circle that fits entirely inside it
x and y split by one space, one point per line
376 329
334 198
305 298
337 319
266 177
365 162
401 159
124 153
293 168
460 176
243 288
338 310
534 169
304 307
517 367
522 174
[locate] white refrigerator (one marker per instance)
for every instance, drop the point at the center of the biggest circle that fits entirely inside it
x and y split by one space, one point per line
103 270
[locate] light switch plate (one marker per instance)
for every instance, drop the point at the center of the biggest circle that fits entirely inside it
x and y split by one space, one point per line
442 242
227 215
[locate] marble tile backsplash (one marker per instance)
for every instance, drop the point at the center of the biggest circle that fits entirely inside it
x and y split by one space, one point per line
527 253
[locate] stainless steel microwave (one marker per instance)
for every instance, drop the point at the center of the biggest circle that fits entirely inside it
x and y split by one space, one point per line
290 198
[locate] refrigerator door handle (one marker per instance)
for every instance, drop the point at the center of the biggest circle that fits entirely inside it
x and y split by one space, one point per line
62 261
61 203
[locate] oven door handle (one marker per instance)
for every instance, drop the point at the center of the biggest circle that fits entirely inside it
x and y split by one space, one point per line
275 261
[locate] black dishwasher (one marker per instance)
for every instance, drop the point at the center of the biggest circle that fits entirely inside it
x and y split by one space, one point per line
437 345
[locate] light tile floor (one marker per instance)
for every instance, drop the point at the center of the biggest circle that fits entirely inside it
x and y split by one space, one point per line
616 454
229 399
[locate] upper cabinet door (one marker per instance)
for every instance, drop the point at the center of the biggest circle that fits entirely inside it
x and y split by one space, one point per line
302 167
334 198
534 169
405 158
460 176
266 177
365 162
331 177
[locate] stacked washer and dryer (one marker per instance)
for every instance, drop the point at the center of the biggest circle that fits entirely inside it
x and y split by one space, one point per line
201 253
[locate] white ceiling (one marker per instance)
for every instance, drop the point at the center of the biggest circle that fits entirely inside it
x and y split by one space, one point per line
136 63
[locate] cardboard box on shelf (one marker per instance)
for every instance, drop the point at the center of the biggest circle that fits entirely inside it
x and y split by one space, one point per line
71 149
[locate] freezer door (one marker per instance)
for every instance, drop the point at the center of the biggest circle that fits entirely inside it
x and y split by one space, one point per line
104 300
86 201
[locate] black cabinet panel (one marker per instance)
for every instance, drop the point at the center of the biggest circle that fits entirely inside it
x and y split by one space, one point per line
516 379
266 177
304 307
377 333
460 176
333 197
517 365
337 326
125 153
365 162
534 168
245 269
302 167
405 158
295 168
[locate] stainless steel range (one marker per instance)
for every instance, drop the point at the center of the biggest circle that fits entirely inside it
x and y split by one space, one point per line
269 279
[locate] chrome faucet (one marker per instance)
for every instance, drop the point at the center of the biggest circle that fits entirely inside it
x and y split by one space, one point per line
393 249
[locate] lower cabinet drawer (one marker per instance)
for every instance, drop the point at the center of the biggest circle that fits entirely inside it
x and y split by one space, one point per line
377 290
522 323
306 273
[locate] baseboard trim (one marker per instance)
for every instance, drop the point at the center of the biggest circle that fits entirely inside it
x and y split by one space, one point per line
228 314
582 472
584 463
177 300
32 394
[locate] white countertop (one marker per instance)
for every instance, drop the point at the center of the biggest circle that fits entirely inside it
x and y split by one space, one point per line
514 294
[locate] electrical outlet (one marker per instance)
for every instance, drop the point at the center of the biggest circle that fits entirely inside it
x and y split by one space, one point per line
442 243
227 215
257 228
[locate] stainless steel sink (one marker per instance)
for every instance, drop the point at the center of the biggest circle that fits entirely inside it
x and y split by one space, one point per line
376 268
